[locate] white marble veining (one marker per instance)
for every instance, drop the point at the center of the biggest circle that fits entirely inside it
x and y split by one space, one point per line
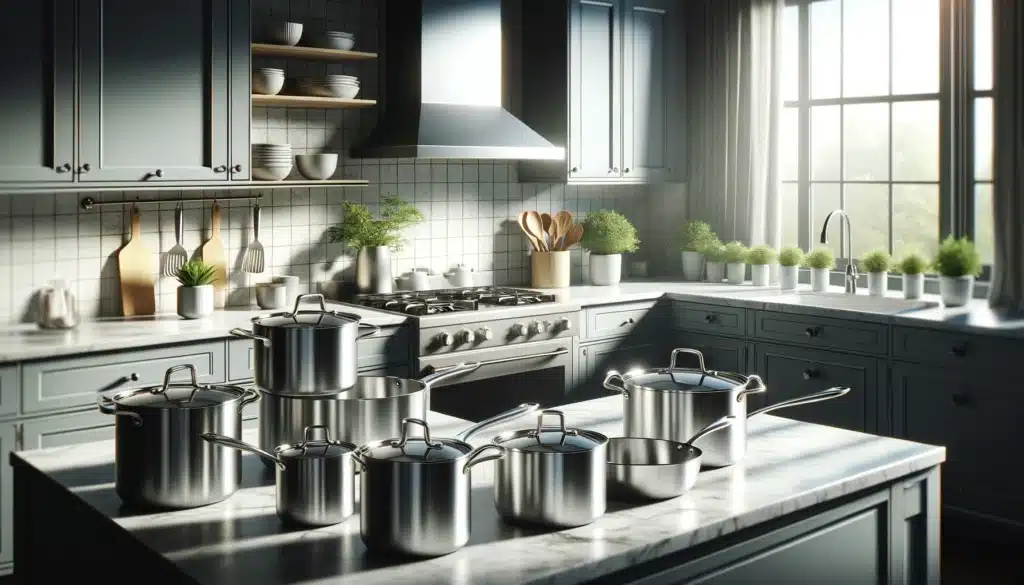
789 466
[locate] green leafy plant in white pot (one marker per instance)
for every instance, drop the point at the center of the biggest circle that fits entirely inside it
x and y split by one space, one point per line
876 264
694 236
714 253
735 262
958 263
195 295
912 267
375 239
761 259
607 234
790 259
820 261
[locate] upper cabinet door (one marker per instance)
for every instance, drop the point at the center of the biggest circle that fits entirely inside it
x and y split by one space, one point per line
652 95
240 92
37 102
153 97
595 112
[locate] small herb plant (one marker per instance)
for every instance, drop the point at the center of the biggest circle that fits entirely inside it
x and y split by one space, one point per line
875 261
196 273
735 252
359 230
957 257
608 232
791 256
912 263
714 251
695 235
761 255
820 258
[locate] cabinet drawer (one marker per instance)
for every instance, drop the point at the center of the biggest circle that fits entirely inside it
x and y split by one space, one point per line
58 384
822 332
709 318
240 360
390 346
949 348
9 390
616 320
594 361
67 429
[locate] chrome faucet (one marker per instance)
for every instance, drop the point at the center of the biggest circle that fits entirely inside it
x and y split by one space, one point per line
851 270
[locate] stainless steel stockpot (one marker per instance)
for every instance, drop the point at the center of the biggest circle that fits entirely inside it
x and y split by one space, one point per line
551 476
674 403
306 352
415 491
160 460
315 478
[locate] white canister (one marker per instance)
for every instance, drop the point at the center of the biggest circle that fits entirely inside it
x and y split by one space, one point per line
760 274
461 276
419 279
819 279
736 272
605 269
913 286
715 272
789 277
878 283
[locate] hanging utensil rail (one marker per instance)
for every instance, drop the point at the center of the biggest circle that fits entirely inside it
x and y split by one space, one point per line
88 202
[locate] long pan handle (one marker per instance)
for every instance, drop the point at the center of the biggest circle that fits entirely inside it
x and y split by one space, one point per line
810 398
521 410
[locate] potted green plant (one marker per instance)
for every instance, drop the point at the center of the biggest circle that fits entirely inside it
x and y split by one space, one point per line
607 234
876 264
195 295
958 263
735 262
761 259
820 261
694 236
790 259
374 239
714 253
912 267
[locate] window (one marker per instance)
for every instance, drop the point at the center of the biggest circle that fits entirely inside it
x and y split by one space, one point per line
864 129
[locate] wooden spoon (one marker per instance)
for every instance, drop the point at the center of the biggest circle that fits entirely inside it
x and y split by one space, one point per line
573 236
535 225
563 221
522 225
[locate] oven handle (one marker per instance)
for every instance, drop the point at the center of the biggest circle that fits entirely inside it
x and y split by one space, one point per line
560 351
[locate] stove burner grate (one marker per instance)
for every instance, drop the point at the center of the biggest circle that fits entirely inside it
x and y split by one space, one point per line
432 302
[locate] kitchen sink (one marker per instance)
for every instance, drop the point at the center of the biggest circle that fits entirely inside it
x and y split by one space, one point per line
843 301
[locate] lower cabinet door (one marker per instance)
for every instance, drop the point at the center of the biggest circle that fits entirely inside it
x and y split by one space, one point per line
67 429
595 360
720 353
8 436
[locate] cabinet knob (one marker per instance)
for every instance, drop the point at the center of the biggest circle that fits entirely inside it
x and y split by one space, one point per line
63 168
959 350
625 170
86 168
236 169
574 170
159 173
812 374
960 399
710 318
220 169
629 321
812 331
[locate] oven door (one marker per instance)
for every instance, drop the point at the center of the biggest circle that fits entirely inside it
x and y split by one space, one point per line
507 377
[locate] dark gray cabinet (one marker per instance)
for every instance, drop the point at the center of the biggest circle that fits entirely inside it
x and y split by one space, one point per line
720 353
596 359
37 104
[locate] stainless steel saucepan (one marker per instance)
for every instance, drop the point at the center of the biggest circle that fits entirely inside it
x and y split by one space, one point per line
674 403
655 469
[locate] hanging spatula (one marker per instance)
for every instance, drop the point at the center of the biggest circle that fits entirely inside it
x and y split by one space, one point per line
253 260
176 256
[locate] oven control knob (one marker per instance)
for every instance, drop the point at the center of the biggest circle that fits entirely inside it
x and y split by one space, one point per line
445 338
538 327
564 324
466 336
485 333
518 330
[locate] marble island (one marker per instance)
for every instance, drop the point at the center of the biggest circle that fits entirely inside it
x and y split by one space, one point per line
838 500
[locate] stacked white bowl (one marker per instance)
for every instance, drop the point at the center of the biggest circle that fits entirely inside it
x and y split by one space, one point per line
271 162
336 86
282 33
267 80
335 39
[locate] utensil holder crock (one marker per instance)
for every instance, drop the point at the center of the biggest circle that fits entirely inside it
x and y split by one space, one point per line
549 269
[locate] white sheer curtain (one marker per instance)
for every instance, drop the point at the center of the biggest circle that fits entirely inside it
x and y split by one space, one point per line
733 79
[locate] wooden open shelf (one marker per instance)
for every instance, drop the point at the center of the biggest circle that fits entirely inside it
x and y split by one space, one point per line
257 184
304 101
315 53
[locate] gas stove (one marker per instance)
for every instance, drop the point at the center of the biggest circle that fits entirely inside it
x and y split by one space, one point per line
454 300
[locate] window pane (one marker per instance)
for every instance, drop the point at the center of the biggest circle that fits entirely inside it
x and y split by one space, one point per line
915 219
826 54
866 142
983 230
789 139
791 53
915 50
865 48
983 44
983 139
868 206
825 165
824 200
790 214
915 141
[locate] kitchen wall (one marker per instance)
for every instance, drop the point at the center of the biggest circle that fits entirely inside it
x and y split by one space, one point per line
469 205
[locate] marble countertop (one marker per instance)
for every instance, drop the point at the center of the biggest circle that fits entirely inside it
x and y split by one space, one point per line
789 466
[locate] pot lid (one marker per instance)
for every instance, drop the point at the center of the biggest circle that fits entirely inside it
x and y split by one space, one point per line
183 395
675 378
310 448
552 439
417 449
320 318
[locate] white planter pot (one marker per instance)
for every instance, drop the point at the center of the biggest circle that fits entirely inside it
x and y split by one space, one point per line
736 272
760 274
693 265
195 301
913 286
715 272
956 291
788 277
878 283
819 279
605 269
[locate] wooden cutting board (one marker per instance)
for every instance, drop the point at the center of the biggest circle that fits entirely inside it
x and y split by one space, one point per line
212 252
135 268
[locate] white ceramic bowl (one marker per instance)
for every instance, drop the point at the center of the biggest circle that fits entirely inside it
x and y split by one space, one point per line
271 295
341 79
283 33
345 90
275 173
317 167
264 83
336 42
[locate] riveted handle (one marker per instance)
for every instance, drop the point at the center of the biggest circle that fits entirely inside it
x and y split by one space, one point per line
675 355
474 457
408 422
561 423
616 383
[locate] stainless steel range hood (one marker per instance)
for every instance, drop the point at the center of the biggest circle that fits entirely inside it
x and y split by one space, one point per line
443 76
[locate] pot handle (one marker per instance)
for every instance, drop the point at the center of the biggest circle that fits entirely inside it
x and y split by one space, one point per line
310 296
170 372
677 351
521 410
620 387
472 460
754 385
406 423
718 425
246 334
373 330
251 396
816 397
438 374
561 423
107 407
232 443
